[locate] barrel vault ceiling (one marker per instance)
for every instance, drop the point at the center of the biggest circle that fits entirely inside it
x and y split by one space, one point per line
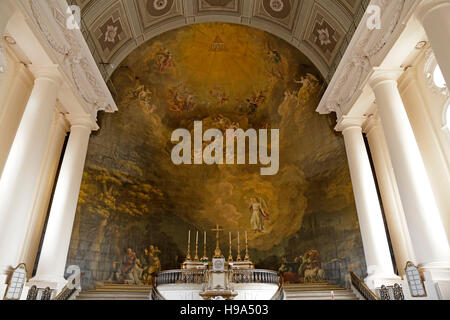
321 29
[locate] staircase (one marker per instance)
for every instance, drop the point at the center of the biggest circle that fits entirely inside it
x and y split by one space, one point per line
116 292
310 291
317 291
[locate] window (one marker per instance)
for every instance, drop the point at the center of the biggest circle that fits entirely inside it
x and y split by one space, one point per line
433 74
438 78
16 283
415 280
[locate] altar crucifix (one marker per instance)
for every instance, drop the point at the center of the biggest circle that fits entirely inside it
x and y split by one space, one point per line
217 252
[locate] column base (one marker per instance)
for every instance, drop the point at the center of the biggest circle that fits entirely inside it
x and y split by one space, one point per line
438 272
376 280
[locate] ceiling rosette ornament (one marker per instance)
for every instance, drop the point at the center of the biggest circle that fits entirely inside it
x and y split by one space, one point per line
279 9
158 8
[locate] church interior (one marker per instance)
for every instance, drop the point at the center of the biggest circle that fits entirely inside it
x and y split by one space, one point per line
224 150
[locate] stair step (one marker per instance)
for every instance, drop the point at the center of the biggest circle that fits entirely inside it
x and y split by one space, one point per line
112 296
320 293
314 289
119 290
323 298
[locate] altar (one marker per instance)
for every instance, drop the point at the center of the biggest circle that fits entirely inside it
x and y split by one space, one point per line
219 272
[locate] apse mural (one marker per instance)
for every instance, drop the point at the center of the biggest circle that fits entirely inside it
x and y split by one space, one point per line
136 206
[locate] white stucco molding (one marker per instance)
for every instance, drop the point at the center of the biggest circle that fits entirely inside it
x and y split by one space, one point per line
346 122
367 50
68 49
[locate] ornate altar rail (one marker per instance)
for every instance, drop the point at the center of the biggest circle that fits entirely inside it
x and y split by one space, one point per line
180 276
362 288
198 276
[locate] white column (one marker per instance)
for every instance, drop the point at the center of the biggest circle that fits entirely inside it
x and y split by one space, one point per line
20 176
435 18
387 184
427 233
52 260
15 91
376 248
45 188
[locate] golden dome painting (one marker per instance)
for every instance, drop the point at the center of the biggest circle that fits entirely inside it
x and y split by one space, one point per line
229 77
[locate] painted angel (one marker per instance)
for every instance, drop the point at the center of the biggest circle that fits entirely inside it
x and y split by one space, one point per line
258 211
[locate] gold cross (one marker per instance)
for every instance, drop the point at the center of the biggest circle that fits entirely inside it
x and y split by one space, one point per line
217 252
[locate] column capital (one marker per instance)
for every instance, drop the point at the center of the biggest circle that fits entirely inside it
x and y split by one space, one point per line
348 122
429 7
60 121
380 75
49 72
372 123
81 121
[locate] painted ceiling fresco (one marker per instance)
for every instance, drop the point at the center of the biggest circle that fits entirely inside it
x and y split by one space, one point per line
228 76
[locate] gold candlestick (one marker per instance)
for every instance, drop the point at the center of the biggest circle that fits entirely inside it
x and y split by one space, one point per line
188 255
196 247
230 256
247 257
238 258
204 245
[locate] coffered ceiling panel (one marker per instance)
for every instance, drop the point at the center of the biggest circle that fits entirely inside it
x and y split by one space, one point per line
218 6
324 33
111 30
317 27
283 12
351 5
152 12
82 3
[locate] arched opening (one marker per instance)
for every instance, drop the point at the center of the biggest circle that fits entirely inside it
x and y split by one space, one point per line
225 77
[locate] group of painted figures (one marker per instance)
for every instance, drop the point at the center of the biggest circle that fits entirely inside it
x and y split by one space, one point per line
306 268
136 270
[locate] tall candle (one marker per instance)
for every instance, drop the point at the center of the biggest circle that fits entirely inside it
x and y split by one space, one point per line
204 238
230 237
246 240
196 238
238 238
189 236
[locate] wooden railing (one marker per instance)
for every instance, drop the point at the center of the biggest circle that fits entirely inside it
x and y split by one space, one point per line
362 288
70 290
279 295
155 295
